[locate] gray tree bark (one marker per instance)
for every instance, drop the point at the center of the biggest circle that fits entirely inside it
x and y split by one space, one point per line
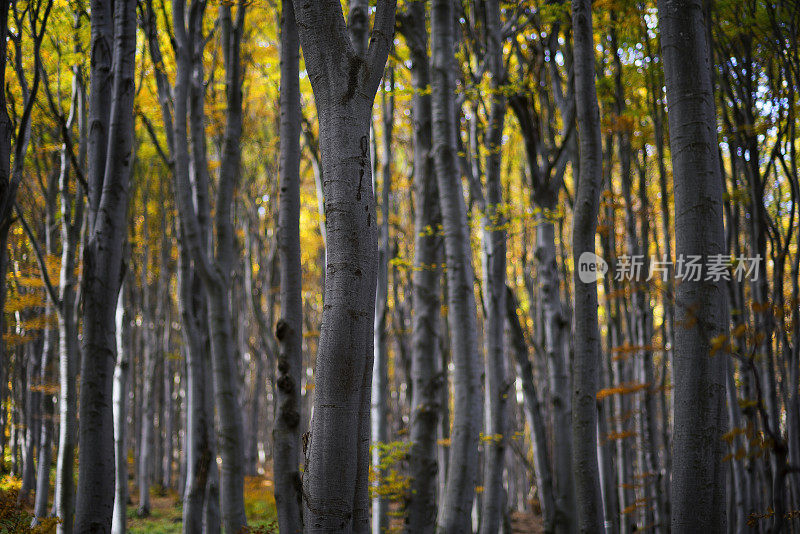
335 480
426 379
191 197
699 474
147 429
109 174
586 365
200 496
72 219
494 247
289 330
380 368
533 415
199 412
456 507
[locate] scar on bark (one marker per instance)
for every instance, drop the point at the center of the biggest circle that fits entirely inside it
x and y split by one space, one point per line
352 78
364 147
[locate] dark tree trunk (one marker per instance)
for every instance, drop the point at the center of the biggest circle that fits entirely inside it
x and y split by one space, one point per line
699 474
109 174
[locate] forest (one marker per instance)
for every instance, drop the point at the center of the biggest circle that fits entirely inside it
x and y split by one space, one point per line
374 266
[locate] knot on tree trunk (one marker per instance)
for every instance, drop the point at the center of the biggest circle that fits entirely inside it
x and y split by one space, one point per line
281 329
286 384
289 417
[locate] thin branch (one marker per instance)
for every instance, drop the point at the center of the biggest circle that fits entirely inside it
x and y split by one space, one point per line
51 290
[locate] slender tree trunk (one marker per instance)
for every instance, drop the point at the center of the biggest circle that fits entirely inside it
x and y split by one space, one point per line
147 435
31 411
289 330
699 474
587 336
120 516
68 351
169 381
191 198
555 324
494 247
102 264
199 421
46 428
380 369
533 415
456 507
426 380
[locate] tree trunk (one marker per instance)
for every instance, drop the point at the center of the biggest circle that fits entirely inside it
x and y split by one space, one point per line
586 366
120 516
344 83
494 247
380 370
456 508
102 265
199 420
533 415
147 435
426 380
191 198
46 427
289 330
699 474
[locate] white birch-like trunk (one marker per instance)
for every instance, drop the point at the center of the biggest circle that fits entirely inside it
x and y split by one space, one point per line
120 399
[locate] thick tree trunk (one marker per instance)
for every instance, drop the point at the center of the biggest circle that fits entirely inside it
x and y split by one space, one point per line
586 366
426 380
555 325
699 474
336 477
102 264
456 507
289 330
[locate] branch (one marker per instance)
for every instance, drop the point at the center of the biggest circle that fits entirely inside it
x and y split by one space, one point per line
380 42
51 290
65 125
152 133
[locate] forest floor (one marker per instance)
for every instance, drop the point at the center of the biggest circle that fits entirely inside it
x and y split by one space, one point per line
165 516
166 511
526 522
